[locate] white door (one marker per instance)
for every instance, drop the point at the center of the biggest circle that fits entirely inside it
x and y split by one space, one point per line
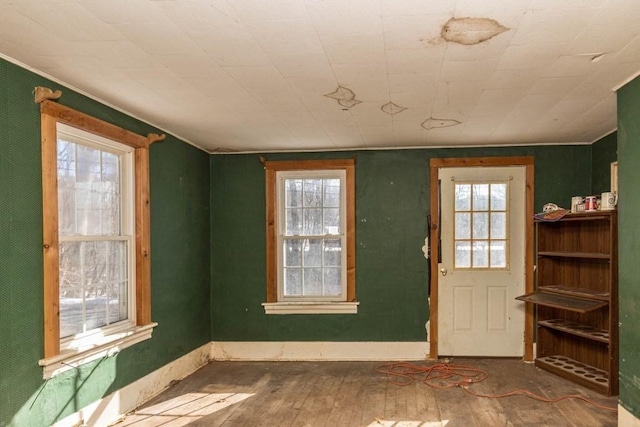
483 259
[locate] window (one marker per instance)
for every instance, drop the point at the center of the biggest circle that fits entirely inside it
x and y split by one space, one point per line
310 237
480 226
96 238
95 231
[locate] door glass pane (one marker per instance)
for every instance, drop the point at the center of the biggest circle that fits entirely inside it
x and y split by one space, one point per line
498 225
463 254
480 256
499 254
462 197
463 225
480 197
498 197
480 225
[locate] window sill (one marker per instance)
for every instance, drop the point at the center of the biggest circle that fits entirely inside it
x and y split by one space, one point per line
104 347
310 307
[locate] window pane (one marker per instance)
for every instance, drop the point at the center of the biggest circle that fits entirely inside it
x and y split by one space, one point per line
462 197
480 225
312 222
293 226
463 225
463 254
293 193
93 285
332 253
312 256
480 197
332 282
312 281
331 193
332 221
499 254
88 190
292 281
292 253
312 193
498 225
480 257
498 197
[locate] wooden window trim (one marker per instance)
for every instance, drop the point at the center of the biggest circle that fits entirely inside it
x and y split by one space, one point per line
51 114
271 168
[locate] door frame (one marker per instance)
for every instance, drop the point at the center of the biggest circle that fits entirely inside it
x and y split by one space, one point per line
460 162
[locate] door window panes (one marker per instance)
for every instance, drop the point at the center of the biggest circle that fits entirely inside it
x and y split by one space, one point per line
481 218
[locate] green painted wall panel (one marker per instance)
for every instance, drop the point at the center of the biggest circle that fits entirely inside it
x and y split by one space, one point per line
604 152
629 244
392 202
180 248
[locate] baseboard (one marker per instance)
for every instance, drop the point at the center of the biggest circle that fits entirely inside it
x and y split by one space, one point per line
313 350
112 407
626 418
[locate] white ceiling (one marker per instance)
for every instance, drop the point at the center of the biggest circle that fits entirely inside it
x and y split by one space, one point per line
269 75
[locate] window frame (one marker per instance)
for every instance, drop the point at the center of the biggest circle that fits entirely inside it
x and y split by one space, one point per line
273 304
58 358
282 177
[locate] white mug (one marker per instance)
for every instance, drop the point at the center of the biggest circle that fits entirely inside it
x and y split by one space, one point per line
577 204
608 201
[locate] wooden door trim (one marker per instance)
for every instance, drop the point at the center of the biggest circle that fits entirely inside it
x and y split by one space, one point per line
434 167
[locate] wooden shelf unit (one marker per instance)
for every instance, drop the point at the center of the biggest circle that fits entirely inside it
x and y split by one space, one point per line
576 299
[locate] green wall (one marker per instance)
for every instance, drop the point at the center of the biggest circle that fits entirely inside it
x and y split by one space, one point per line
629 244
392 202
179 249
603 153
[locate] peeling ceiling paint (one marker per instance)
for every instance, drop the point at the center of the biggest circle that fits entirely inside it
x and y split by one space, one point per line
391 108
470 31
345 97
433 123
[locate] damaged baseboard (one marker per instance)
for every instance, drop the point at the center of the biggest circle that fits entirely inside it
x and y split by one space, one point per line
319 350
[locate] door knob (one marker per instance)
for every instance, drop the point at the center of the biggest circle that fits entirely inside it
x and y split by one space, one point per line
443 271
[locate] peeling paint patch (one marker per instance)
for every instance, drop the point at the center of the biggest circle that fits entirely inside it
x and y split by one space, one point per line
470 31
433 123
345 97
391 108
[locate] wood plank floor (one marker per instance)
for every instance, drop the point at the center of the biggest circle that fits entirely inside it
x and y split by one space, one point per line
355 394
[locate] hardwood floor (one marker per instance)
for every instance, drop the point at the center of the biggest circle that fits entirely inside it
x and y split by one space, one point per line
355 394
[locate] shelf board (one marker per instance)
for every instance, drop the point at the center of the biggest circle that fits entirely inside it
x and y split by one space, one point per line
549 299
586 255
573 291
589 376
578 329
582 216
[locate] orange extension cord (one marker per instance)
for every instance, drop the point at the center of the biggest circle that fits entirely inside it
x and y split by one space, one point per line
444 375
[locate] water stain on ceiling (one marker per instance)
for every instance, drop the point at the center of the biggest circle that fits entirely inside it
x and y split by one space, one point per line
470 31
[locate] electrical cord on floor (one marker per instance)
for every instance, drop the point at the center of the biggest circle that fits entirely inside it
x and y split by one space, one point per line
444 376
